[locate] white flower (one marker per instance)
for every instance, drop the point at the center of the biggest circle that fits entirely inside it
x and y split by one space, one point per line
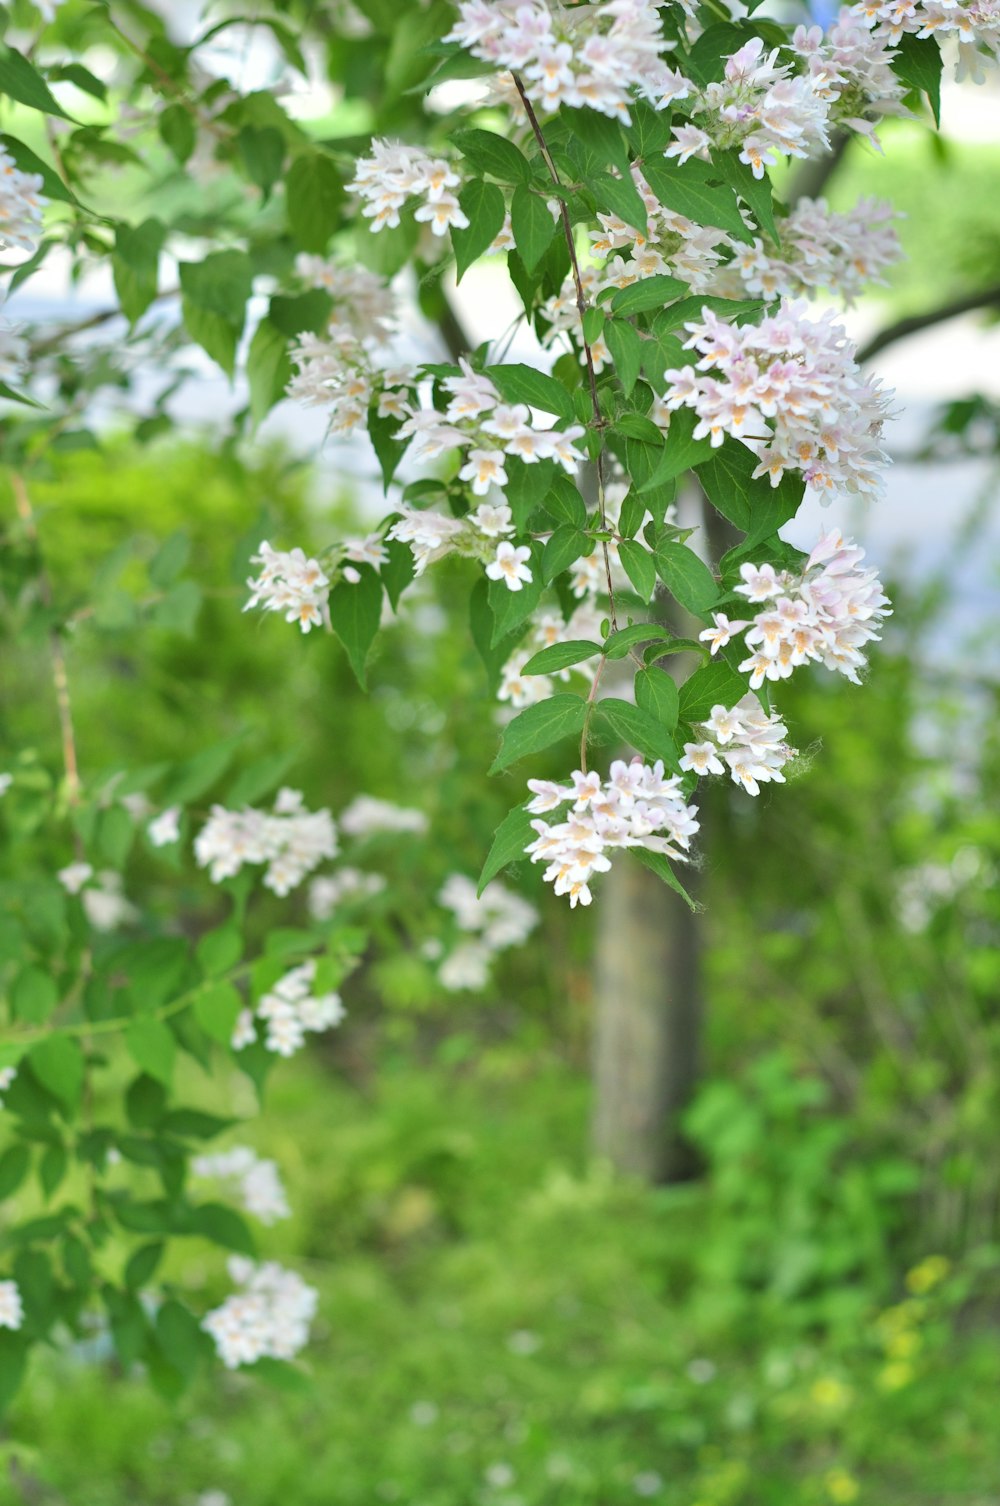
104 904
289 583
290 841
509 565
269 1317
326 893
11 1308
746 740
493 520
166 828
21 205
6 780
257 1183
74 876
367 815
7 1075
485 470
244 1031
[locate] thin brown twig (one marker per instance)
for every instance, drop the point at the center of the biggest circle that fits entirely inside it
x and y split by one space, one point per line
60 678
903 328
581 303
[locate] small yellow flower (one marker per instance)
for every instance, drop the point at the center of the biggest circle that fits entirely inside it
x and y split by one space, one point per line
893 1377
830 1393
841 1487
928 1274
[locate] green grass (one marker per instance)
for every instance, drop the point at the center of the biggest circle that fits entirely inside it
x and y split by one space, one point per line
502 1322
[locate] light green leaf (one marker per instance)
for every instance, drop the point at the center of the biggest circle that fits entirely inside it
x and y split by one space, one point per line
538 727
151 1045
217 1010
686 577
135 264
564 547
649 293
635 726
269 370
661 867
58 1064
314 197
638 565
523 384
620 643
714 685
548 661
656 692
625 346
511 838
20 80
483 206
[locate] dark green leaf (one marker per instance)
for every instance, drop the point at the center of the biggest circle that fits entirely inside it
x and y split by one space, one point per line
510 839
685 190
135 264
626 351
564 547
714 685
639 567
493 154
152 1047
686 577
269 370
262 149
14 1165
755 192
215 294
918 63
355 614
619 196
21 81
512 608
532 225
314 197
141 1266
656 692
178 131
33 995
180 1337
635 726
58 1064
548 661
483 206
649 293
564 503
625 639
28 161
523 384
661 867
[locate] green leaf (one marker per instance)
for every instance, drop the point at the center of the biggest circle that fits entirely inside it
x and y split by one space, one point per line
262 149
686 190
648 293
564 503
625 639
222 1226
14 1166
523 384
33 995
509 841
686 577
217 1010
13 1359
179 1337
314 197
152 1047
564 547
482 623
639 567
58 1064
483 206
115 833
215 293
493 154
548 661
600 136
619 196
18 397
713 685
538 727
685 310
918 63
305 312
755 192
269 370
171 559
355 614
220 950
399 570
52 1169
532 225
527 487
757 508
195 776
260 778
178 131
626 351
660 866
142 1265
135 264
389 449
656 692
681 451
637 727
21 81
649 132
28 161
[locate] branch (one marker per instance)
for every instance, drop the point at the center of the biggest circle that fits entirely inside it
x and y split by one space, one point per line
92 321
581 304
811 179
914 323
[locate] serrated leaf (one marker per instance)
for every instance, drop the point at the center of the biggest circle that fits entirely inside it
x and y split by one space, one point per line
649 293
713 685
493 154
314 198
685 190
757 508
483 206
639 567
656 692
661 867
625 345
686 577
635 726
532 225
538 727
619 196
523 384
620 643
564 503
509 841
152 1046
527 487
564 547
355 614
549 661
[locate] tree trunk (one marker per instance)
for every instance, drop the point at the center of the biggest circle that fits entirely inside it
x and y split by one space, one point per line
648 1024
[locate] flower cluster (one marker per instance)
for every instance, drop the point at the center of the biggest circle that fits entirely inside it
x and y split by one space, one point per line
825 614
760 106
331 890
586 56
975 24
849 66
268 1318
636 806
21 205
342 372
367 816
821 249
493 921
395 173
104 904
290 840
290 1011
791 388
257 1183
746 740
11 1307
291 583
362 301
